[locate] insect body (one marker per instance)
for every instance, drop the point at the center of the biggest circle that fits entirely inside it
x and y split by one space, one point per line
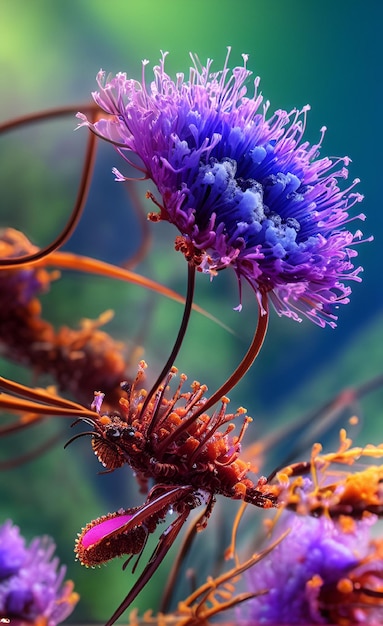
188 456
171 443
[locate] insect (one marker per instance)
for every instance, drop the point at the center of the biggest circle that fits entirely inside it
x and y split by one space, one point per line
188 456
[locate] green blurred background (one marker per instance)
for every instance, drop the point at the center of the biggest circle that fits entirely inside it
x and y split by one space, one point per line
328 54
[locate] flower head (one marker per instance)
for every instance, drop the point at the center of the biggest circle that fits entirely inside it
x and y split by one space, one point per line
31 581
322 572
243 188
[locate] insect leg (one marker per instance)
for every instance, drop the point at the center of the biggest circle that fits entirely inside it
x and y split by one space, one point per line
165 543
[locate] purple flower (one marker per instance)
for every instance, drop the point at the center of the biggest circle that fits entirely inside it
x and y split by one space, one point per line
322 572
31 581
243 188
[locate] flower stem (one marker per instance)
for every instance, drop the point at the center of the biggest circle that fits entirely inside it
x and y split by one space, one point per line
46 114
82 195
248 359
180 557
243 367
179 339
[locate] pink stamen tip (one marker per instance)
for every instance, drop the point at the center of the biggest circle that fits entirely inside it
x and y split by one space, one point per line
97 402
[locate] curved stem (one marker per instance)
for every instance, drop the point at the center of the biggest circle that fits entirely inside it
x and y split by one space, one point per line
179 339
39 401
79 263
19 404
32 455
245 364
303 431
248 359
30 118
9 429
75 215
180 557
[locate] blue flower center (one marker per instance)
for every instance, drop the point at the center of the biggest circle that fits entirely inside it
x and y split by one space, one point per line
244 207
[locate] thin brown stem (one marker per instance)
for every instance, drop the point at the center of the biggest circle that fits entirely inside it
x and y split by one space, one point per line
318 419
238 373
32 455
181 555
20 404
9 429
212 585
178 342
82 195
248 359
79 263
46 114
38 395
39 401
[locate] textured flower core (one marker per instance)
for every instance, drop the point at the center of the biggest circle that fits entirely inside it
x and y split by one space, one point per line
242 187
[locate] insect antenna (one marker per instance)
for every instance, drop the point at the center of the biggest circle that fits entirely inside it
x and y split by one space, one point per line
78 435
105 443
83 420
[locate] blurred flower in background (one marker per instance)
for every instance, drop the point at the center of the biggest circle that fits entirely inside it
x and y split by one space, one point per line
32 587
78 360
322 572
328 568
